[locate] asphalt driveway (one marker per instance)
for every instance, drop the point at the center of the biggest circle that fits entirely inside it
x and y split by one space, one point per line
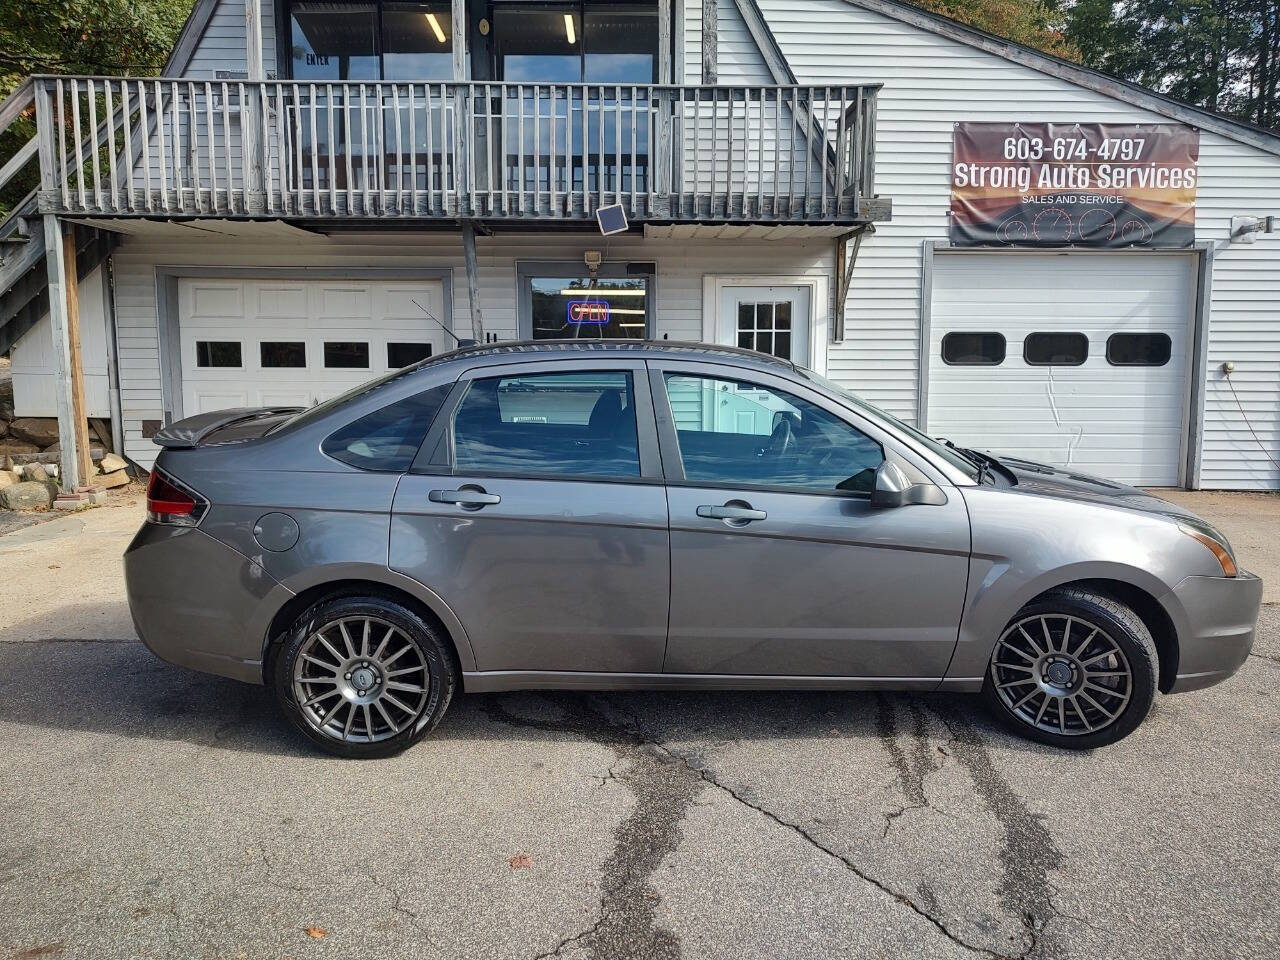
154 812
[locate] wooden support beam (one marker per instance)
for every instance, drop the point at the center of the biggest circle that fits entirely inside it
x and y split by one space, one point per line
69 378
473 282
460 72
79 411
710 41
847 247
253 40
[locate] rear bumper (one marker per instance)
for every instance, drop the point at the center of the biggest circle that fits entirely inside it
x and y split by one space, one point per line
1221 616
192 599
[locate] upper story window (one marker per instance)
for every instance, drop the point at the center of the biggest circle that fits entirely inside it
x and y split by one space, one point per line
575 42
371 41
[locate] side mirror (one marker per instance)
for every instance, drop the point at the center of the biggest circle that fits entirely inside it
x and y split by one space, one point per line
894 489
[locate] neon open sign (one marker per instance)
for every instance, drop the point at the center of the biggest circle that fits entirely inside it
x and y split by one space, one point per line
588 312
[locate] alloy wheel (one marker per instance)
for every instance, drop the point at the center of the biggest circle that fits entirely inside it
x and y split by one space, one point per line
360 679
1061 674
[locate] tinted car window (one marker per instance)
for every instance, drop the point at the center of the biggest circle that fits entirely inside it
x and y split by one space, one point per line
561 424
1139 349
973 349
1055 349
736 433
389 438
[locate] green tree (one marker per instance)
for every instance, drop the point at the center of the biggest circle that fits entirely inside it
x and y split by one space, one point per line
99 37
1032 22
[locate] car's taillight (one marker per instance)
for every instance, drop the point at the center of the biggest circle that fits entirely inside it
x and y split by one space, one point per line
169 502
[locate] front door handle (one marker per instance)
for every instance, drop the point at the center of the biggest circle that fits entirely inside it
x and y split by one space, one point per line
735 512
468 497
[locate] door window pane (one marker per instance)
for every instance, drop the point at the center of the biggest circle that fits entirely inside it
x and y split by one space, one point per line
346 355
403 354
417 41
334 41
1055 349
388 439
562 424
577 308
1139 349
766 327
282 353
218 353
973 349
733 433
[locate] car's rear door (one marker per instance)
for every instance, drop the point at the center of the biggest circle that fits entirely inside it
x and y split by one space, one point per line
536 510
779 564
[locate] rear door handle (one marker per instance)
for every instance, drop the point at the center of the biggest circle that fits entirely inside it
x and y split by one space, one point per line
464 497
732 513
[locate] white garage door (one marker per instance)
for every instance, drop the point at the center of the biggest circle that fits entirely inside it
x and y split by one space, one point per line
1071 359
296 342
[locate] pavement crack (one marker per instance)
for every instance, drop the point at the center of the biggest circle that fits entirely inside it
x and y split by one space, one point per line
1266 656
397 906
664 789
268 872
911 770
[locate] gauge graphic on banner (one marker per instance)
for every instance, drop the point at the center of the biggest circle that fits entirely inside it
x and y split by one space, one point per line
584 313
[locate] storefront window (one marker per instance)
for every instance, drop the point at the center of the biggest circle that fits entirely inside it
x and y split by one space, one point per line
575 43
369 41
579 308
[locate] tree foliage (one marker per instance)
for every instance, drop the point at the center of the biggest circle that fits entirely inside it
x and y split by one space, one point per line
1032 22
98 37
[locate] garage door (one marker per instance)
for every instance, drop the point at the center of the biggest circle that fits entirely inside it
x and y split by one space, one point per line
1071 359
289 343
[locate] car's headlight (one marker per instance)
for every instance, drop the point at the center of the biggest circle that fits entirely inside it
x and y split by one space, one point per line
1217 546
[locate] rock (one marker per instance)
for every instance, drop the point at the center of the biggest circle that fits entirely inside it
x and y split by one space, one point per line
12 446
111 463
4 428
52 455
37 472
7 479
42 431
26 496
107 481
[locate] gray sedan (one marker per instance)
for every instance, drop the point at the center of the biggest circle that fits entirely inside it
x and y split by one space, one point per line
612 516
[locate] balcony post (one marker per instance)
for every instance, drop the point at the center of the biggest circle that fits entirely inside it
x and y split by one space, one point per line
710 41
462 107
64 319
251 131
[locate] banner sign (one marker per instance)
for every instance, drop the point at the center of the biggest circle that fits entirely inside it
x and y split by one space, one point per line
1074 184
587 312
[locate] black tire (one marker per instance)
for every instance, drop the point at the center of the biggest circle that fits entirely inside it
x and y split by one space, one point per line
426 662
1086 698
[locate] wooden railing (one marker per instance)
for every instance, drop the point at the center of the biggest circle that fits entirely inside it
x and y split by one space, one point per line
192 148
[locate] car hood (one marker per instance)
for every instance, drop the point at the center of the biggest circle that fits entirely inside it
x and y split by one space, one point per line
1060 483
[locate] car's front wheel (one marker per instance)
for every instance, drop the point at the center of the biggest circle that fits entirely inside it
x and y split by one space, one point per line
364 676
1073 669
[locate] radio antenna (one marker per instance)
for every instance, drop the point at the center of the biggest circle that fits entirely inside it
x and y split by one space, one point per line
432 317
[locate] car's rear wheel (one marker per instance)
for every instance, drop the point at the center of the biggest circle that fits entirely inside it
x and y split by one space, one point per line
364 676
1073 669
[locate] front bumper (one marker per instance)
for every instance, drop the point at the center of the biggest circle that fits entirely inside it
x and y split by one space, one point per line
1220 619
192 599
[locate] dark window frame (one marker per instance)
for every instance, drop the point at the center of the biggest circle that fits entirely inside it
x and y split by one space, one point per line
239 345
1055 363
1004 348
263 365
324 354
1168 354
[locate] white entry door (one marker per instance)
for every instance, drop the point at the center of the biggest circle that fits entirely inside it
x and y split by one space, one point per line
249 343
770 319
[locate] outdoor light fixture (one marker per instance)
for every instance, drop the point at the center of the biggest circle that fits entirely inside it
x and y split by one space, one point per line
568 29
1246 229
435 27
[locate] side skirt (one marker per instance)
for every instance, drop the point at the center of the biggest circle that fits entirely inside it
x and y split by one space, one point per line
495 681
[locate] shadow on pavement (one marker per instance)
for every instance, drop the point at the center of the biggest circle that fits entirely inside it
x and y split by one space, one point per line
118 687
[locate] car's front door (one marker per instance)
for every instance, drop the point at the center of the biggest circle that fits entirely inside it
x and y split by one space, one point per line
779 564
537 512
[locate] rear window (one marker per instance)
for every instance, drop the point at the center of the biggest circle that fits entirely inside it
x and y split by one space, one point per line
388 439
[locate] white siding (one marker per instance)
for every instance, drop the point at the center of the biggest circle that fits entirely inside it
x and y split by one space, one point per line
222 45
931 82
681 267
35 385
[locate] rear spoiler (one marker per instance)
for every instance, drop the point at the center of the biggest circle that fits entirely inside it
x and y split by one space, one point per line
190 431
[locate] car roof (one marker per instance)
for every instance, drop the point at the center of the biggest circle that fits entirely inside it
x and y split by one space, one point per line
571 349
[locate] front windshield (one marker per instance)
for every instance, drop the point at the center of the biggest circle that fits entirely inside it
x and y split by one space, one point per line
961 463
